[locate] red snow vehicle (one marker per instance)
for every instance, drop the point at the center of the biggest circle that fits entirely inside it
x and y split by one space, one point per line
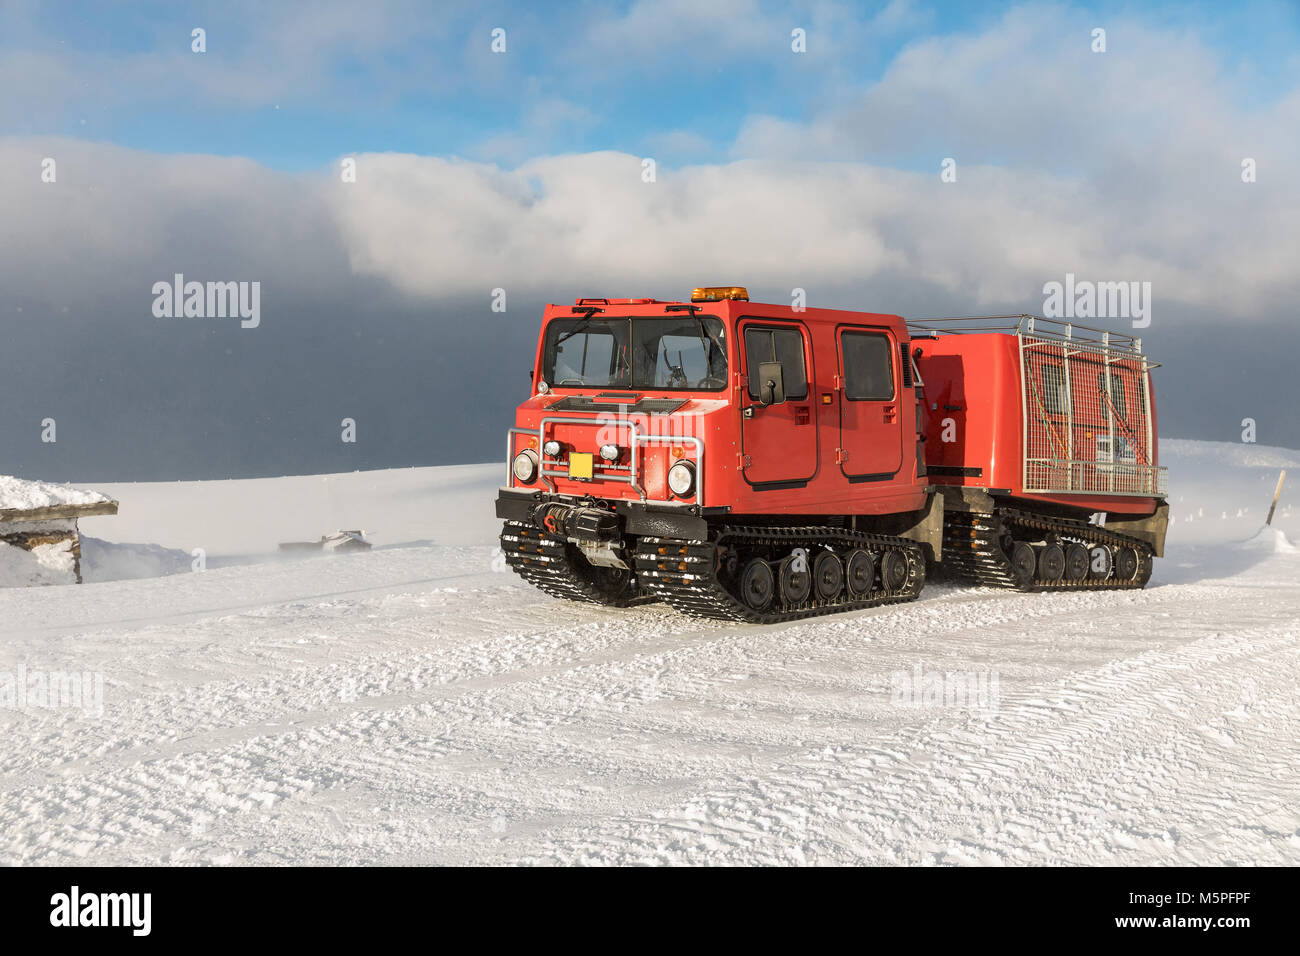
761 462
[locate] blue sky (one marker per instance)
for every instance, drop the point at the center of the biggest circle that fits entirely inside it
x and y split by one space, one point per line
294 86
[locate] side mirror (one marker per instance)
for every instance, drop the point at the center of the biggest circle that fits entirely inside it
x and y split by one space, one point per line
771 377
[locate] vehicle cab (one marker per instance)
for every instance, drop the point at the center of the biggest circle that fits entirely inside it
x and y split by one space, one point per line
667 413
629 398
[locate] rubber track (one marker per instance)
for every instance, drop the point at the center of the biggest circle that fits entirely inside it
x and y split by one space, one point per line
683 573
549 565
971 549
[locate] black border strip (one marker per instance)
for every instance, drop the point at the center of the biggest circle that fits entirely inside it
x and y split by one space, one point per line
880 476
779 485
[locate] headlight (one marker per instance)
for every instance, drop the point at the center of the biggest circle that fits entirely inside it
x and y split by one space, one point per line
552 448
525 466
609 452
681 478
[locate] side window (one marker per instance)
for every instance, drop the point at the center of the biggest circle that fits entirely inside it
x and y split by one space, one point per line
776 345
868 367
1116 393
1054 389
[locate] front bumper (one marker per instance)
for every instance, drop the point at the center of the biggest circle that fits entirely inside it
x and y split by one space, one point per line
604 519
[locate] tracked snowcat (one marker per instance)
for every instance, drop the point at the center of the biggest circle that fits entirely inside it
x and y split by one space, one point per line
761 462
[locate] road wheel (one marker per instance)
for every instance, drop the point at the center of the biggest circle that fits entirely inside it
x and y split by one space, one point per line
893 571
828 576
757 585
1051 563
1076 562
795 585
861 572
1126 564
1100 562
1023 562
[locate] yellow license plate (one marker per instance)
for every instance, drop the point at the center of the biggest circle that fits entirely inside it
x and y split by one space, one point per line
580 465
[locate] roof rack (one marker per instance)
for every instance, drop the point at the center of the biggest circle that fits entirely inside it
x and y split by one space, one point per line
1031 325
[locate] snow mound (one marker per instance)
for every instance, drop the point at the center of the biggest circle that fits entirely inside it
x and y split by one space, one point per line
22 495
108 561
1231 454
44 564
1271 541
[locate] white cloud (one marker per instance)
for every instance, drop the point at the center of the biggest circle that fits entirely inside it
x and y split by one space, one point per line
1117 166
656 27
436 227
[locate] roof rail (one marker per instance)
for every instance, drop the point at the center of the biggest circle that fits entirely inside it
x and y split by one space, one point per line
1031 325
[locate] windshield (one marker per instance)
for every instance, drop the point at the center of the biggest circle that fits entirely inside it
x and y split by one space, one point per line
667 354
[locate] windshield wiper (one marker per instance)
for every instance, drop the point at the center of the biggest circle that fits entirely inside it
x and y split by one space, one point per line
588 311
706 337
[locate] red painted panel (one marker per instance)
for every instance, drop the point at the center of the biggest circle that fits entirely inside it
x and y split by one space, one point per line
872 429
779 442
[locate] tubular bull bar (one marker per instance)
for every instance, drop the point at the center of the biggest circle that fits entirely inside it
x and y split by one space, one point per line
635 439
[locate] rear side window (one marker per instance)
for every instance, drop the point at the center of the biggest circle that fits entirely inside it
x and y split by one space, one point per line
1116 393
776 345
1054 389
868 367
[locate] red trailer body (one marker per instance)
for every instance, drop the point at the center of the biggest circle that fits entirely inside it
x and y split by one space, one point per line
1032 417
1033 426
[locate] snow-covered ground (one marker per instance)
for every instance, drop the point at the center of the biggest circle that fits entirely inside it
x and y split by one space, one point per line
418 703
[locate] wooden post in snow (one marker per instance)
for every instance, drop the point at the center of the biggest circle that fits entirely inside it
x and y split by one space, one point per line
1276 494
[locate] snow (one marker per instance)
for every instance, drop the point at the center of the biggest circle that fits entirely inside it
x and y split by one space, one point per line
22 495
403 506
109 561
419 704
1268 539
44 564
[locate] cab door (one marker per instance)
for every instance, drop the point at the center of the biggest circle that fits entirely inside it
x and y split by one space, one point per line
778 442
871 426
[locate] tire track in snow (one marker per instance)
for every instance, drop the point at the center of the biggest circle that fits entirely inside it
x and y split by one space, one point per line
328 737
984 792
